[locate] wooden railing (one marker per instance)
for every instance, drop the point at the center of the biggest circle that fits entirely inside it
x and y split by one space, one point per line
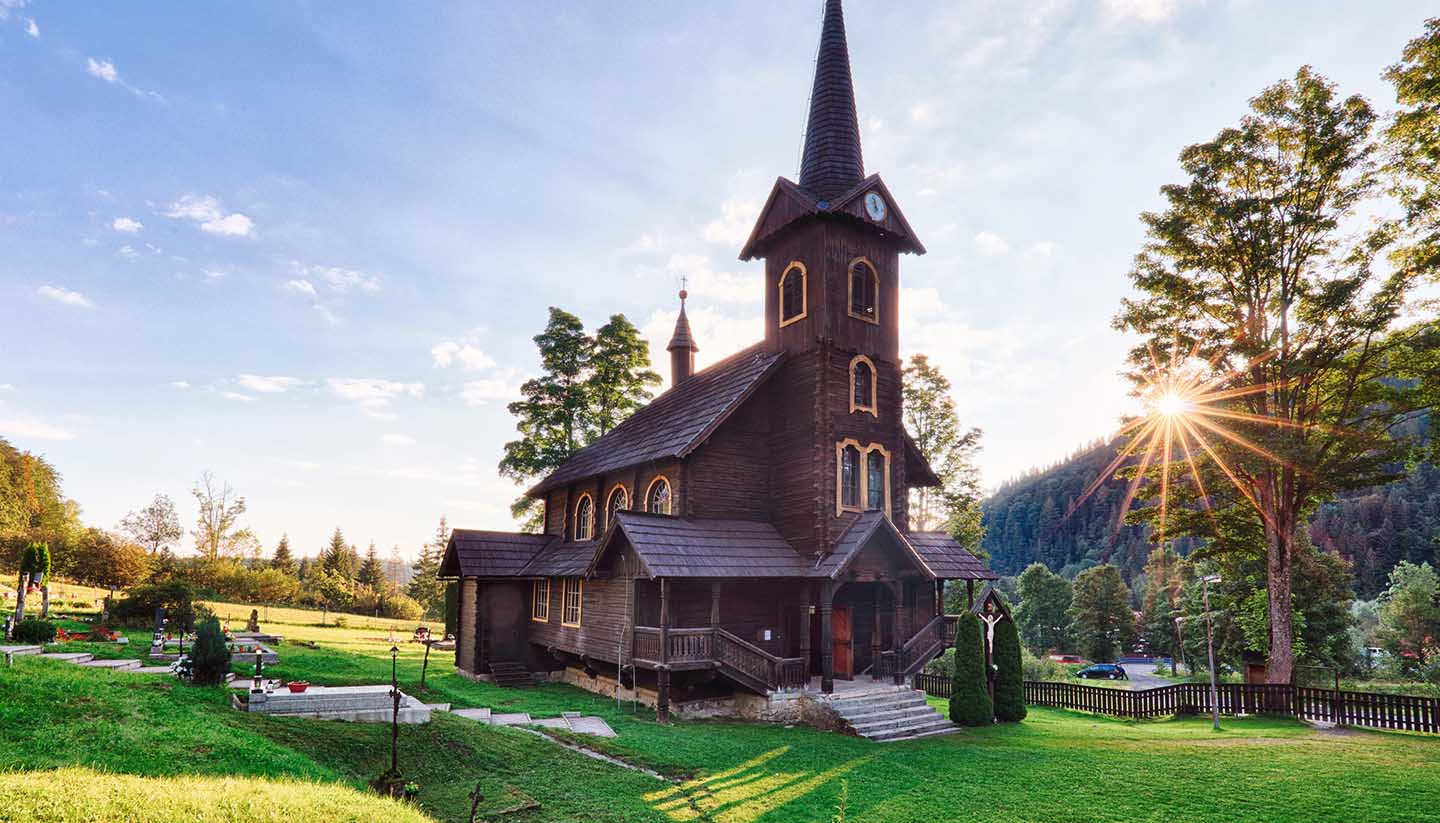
690 645
1368 709
647 643
932 638
734 656
738 655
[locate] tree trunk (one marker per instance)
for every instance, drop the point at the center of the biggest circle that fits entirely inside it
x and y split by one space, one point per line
1281 665
20 598
45 601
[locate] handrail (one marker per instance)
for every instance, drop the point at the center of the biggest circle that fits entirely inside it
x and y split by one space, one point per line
748 662
933 636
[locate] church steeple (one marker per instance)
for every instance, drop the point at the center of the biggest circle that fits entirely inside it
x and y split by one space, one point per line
831 163
682 347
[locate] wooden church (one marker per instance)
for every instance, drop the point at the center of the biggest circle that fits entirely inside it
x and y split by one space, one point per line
747 531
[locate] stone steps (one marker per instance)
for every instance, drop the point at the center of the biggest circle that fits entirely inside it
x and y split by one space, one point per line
890 715
69 657
509 674
113 665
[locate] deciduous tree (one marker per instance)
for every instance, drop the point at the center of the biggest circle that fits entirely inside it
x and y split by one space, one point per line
1043 613
931 420
155 527
217 528
1410 614
620 376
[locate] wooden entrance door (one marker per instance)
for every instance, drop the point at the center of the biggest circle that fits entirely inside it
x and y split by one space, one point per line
841 643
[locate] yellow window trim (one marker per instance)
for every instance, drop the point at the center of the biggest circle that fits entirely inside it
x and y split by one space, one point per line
850 290
611 496
840 507
874 406
795 265
579 600
544 612
645 504
575 523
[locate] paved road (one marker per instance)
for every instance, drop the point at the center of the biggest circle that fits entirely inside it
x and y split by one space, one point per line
1142 677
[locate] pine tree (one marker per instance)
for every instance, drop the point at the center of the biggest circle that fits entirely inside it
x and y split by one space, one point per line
1009 673
969 698
371 573
1100 616
1043 611
282 560
425 587
339 558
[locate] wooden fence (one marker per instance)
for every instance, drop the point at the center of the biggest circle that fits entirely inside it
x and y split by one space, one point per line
1369 709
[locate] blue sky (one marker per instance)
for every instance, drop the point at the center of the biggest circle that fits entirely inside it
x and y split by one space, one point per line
305 246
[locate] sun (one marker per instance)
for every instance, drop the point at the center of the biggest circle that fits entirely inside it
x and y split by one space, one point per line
1172 404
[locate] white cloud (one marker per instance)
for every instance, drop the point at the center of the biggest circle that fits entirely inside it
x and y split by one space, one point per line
180 384
105 70
373 392
339 279
31 28
922 112
211 274
732 228
36 429
991 244
7 387
243 398
497 389
127 251
718 333
206 212
327 315
66 296
704 283
397 440
1041 250
268 385
304 287
1144 11
126 225
465 354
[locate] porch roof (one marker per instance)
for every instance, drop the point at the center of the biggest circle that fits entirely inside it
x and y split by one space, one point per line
475 553
936 553
948 559
681 547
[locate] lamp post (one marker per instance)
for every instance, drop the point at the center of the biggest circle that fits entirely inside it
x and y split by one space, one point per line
1210 649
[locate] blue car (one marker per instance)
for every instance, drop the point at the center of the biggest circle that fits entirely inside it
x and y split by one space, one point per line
1103 671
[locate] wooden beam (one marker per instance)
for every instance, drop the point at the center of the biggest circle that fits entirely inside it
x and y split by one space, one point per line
895 639
714 603
875 631
662 697
807 609
827 643
970 593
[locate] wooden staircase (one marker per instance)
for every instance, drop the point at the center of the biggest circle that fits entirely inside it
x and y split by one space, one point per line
889 714
509 674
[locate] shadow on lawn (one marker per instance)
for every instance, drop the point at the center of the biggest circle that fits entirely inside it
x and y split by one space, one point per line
745 792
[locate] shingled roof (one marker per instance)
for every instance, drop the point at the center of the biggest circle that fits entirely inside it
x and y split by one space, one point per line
831 163
675 423
857 537
947 559
472 553
560 559
680 547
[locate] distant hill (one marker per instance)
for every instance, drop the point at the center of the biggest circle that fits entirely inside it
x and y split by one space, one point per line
1374 529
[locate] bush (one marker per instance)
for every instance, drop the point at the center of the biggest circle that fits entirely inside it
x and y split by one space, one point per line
969 700
1041 668
138 606
210 657
1009 673
33 632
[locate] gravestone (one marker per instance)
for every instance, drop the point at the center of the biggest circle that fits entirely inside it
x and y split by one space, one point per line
253 624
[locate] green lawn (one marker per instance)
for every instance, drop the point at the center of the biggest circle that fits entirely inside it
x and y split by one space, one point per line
1056 766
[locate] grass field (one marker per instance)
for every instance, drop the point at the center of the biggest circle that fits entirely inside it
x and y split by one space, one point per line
1056 766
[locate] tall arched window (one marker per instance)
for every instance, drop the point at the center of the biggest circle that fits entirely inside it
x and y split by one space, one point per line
850 477
792 293
864 290
863 386
584 518
618 500
657 499
874 480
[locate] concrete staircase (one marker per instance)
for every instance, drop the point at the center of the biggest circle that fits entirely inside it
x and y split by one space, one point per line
889 714
509 674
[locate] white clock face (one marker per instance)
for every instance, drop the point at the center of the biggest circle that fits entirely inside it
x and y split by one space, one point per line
875 205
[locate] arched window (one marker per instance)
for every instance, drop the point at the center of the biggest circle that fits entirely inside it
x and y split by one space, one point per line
792 293
584 518
657 499
874 480
863 385
619 499
850 478
864 290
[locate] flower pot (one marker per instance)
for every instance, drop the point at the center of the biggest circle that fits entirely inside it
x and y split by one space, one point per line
297 687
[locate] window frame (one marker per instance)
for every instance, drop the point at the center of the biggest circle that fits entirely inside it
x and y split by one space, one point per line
650 490
575 520
864 472
609 512
565 592
873 408
874 316
793 266
542 614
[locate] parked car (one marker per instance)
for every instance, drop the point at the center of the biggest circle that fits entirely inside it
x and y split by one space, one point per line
1103 671
1068 658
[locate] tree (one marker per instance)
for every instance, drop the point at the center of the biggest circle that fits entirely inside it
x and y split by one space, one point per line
34 570
217 532
1009 673
1410 614
282 560
330 589
620 376
1248 272
102 560
1043 611
425 587
931 420
155 527
969 696
395 567
210 656
1164 577
340 558
1414 141
1100 616
371 573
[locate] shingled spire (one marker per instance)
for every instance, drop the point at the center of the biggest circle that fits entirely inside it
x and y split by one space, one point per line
682 347
831 164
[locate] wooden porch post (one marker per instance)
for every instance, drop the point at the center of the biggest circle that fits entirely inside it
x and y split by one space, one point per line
896 590
662 673
939 598
827 644
970 593
714 604
807 607
875 632
482 662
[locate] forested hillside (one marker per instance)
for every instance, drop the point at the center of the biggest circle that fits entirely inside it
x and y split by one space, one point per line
1373 529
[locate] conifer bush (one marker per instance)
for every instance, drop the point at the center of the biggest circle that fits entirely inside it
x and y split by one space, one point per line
210 657
969 700
34 632
1009 673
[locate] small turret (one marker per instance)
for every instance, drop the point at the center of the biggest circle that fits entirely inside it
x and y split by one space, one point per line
682 347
